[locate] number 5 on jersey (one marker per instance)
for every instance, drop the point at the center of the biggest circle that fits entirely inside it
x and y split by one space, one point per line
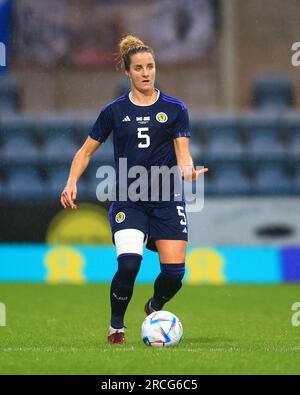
142 134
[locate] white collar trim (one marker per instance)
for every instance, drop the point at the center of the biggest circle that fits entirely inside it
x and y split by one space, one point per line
144 105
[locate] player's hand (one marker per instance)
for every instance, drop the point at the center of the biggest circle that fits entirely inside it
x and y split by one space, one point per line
68 195
189 173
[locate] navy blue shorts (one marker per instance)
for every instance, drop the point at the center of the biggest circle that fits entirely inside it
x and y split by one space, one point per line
167 222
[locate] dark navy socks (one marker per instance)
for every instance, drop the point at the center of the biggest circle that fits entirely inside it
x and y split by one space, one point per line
122 287
167 284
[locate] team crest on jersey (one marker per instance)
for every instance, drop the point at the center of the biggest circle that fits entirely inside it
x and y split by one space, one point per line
161 117
120 216
142 120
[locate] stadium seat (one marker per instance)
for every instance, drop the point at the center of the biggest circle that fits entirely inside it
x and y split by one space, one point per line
224 146
56 133
273 92
25 184
294 145
57 123
296 182
291 126
265 145
271 179
17 138
222 135
211 123
263 138
17 124
9 95
20 148
59 148
229 179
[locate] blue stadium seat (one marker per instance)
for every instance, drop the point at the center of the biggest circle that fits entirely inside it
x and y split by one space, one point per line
17 139
25 184
218 122
226 146
294 145
273 92
57 123
263 137
260 121
290 121
271 179
59 148
17 124
265 145
57 135
222 135
9 95
296 182
229 179
19 148
291 126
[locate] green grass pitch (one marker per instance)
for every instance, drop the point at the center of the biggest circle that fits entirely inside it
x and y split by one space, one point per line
229 329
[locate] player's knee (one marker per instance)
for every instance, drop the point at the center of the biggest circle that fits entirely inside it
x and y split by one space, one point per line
129 241
173 270
128 267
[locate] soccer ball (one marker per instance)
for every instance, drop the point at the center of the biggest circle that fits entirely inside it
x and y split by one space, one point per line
161 329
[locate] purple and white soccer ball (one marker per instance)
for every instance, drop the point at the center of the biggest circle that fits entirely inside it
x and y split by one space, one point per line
161 329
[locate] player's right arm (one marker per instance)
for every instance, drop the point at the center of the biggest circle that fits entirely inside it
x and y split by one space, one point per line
79 164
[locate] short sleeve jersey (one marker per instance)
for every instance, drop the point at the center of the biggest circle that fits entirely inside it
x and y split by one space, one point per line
143 134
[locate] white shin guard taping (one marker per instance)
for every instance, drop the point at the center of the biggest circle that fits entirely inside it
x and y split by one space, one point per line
129 241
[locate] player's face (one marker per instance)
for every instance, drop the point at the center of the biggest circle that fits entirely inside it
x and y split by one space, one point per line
142 71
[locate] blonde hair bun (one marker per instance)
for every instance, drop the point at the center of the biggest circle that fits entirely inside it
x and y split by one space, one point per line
128 42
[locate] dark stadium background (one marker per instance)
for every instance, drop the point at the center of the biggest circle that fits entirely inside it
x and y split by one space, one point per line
236 66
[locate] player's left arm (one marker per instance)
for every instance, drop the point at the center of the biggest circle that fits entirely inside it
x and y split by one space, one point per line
184 159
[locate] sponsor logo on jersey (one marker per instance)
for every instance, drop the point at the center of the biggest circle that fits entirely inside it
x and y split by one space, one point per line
120 216
142 120
161 117
126 119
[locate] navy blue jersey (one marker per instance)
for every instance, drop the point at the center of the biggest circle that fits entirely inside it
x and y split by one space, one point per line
143 134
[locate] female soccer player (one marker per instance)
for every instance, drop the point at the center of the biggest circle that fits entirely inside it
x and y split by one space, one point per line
149 128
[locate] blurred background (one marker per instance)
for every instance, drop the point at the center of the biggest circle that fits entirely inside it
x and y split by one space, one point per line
234 63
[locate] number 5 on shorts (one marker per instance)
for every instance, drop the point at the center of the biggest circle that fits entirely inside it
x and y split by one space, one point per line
181 214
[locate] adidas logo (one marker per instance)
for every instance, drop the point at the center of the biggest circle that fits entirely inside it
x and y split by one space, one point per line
126 119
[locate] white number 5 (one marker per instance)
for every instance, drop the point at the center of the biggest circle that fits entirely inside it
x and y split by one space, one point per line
181 214
145 136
